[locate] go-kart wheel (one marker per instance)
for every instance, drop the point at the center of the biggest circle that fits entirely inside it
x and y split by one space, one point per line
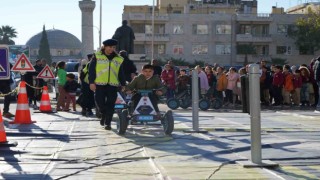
168 122
217 103
185 103
204 104
173 103
122 124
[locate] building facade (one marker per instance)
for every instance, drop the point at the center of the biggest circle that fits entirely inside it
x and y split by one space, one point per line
213 31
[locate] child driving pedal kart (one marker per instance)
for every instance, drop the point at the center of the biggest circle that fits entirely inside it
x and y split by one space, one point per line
146 81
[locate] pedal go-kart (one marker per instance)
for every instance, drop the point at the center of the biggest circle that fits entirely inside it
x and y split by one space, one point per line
120 103
144 113
184 100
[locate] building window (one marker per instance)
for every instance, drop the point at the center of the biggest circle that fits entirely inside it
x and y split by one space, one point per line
199 49
286 50
223 29
161 49
59 53
139 49
177 49
71 53
199 29
245 29
282 28
222 49
262 49
177 29
148 29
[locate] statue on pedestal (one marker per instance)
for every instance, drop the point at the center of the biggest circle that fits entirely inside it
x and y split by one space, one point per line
125 37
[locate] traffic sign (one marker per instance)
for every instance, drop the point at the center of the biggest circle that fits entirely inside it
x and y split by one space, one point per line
4 63
46 73
23 65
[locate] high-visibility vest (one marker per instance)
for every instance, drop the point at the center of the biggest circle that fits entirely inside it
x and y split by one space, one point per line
85 70
107 70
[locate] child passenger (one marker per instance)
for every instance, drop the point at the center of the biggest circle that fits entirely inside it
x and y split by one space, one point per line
146 81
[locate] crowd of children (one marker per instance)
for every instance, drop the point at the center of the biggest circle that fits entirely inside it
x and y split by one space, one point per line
279 85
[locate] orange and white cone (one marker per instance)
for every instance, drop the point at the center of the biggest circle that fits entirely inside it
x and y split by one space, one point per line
45 105
22 115
3 136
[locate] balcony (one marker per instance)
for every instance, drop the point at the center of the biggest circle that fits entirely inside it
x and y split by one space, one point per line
251 38
148 37
260 17
148 16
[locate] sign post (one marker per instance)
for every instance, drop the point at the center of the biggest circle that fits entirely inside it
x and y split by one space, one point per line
255 121
195 104
4 63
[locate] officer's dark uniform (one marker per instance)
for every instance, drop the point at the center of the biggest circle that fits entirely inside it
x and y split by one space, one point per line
87 96
5 88
106 71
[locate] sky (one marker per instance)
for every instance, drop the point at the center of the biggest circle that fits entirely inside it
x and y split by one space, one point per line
29 16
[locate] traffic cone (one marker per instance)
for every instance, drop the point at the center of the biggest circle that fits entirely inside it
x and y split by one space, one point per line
22 113
3 136
45 105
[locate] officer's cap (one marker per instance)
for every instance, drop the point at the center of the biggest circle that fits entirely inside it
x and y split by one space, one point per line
110 42
89 56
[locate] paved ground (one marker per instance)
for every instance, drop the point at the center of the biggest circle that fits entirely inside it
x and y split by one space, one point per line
68 146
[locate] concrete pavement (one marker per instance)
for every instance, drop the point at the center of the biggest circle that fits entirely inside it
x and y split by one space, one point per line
65 145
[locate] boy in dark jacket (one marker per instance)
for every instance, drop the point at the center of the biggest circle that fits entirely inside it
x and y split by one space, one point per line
146 81
277 84
71 87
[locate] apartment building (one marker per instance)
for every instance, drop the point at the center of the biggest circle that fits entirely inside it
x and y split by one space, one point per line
212 31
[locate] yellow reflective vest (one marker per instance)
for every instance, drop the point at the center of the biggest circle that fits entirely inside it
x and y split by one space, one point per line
85 71
107 70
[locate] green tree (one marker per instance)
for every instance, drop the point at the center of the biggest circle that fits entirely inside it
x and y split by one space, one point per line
44 49
246 49
6 35
306 32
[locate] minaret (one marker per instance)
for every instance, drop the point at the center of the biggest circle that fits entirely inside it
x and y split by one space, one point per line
87 7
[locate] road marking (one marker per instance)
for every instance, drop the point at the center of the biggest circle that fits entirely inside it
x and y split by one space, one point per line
296 172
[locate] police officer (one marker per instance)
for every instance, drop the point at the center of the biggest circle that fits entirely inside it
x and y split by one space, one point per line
87 96
105 76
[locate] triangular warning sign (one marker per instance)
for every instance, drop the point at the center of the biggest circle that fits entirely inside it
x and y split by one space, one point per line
46 73
2 69
146 104
23 64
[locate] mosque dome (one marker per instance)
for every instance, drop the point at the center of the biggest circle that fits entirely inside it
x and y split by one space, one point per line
57 39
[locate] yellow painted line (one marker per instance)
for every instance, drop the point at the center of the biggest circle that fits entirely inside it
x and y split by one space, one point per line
317 167
296 172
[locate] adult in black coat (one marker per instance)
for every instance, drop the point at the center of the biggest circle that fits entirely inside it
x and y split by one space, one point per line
5 89
128 66
156 68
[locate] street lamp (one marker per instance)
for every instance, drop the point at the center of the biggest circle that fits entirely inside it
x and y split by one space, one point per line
152 41
99 31
233 34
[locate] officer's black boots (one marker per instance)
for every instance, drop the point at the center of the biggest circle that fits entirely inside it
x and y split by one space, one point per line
103 119
108 122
